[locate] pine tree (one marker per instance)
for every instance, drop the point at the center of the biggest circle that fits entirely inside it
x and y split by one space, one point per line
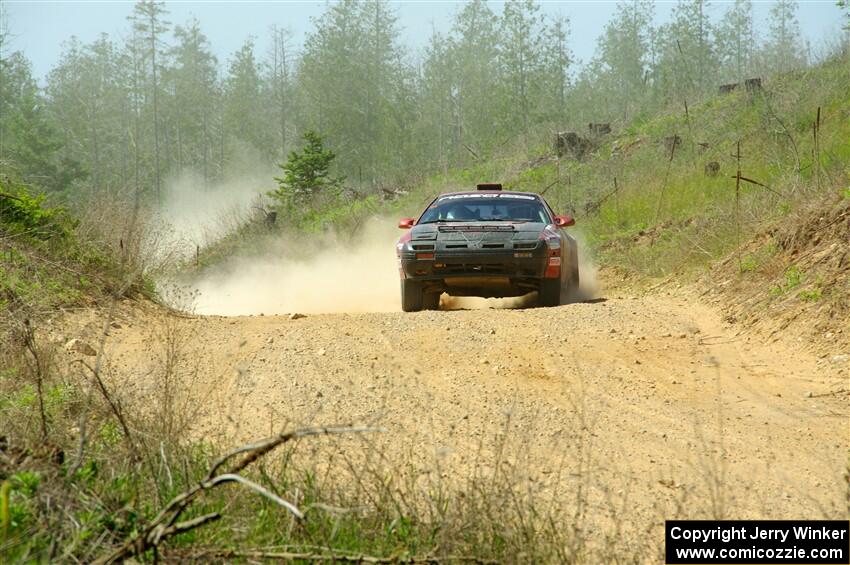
557 60
148 23
29 142
281 80
624 57
307 173
521 61
243 102
735 40
86 97
784 49
436 88
350 75
477 91
687 62
192 81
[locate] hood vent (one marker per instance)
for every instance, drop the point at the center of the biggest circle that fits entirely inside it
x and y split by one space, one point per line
488 227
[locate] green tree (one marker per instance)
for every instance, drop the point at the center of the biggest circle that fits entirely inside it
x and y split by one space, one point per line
280 80
86 100
557 60
687 60
735 40
619 69
784 49
436 87
521 61
28 139
244 103
149 26
352 78
307 173
475 57
192 83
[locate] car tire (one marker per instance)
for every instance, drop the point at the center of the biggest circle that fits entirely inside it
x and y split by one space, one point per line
550 292
412 296
431 301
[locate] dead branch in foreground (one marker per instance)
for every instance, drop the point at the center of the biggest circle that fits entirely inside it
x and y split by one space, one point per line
166 524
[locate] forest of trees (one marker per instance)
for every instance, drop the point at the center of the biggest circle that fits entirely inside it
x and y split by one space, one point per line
125 115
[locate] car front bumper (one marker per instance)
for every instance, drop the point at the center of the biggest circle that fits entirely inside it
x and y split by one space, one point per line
483 272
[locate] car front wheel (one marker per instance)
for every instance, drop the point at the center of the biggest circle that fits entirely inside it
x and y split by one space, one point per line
431 301
550 292
412 296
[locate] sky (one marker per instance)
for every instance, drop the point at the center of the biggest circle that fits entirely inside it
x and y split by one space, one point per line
39 28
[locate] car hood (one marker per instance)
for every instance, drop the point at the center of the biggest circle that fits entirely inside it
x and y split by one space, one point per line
484 231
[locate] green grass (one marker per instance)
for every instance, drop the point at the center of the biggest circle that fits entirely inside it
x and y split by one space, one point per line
43 262
810 295
792 278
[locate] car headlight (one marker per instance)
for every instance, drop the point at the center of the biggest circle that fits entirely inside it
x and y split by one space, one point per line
552 239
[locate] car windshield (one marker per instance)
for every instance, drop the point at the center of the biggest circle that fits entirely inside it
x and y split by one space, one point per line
488 208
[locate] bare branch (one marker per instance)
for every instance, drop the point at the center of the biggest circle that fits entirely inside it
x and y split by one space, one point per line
165 523
187 525
262 447
258 489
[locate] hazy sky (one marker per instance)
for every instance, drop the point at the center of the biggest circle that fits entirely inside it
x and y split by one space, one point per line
40 28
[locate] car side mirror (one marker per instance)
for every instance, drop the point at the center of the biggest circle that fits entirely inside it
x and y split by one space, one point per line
406 223
564 221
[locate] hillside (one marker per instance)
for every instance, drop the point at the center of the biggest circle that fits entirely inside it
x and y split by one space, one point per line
633 187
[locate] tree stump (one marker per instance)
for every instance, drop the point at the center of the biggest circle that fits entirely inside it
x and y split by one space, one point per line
271 218
599 129
571 144
753 85
671 142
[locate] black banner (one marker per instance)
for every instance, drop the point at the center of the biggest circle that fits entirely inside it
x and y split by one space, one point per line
764 542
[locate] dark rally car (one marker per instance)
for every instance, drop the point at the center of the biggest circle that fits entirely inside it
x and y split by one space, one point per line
489 243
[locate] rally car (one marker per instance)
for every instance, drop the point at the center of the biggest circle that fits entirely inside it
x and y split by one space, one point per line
489 243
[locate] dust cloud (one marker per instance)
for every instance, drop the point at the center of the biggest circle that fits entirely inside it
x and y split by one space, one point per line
198 212
334 275
588 287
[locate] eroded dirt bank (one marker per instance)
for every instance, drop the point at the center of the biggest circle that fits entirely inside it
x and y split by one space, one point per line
651 406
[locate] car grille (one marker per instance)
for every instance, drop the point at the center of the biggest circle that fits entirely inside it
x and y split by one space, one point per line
484 245
482 268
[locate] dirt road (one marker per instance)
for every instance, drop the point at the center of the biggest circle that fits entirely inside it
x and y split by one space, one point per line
653 403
